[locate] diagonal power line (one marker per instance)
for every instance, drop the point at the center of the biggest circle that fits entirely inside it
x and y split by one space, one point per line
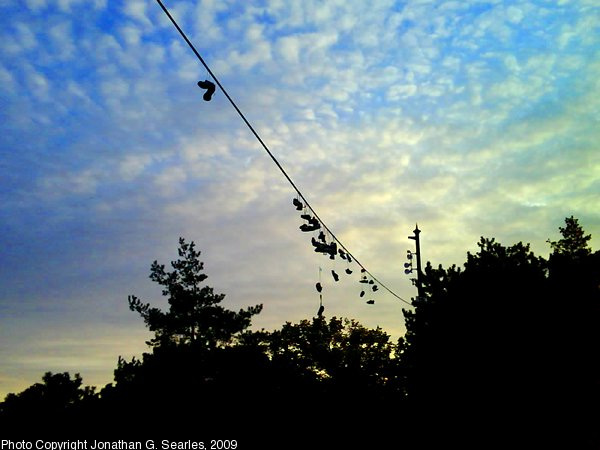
257 136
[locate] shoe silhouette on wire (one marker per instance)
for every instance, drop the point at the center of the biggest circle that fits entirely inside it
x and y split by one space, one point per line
210 89
329 249
336 277
370 302
310 227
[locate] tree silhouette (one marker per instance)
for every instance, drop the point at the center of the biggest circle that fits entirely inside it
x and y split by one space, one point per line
195 362
502 350
58 399
335 356
195 316
574 283
510 335
574 242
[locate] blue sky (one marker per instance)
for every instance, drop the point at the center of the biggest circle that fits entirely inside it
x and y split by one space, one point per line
472 118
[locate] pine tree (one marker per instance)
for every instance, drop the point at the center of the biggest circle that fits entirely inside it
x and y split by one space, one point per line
195 317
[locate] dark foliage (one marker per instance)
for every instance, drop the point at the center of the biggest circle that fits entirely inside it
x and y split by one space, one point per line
195 316
42 406
507 348
502 351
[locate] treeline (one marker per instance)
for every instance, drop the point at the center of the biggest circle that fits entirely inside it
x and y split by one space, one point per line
503 350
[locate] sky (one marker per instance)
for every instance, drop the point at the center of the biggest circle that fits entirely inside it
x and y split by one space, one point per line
470 118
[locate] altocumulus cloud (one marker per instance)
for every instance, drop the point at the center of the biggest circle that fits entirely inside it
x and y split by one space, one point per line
472 118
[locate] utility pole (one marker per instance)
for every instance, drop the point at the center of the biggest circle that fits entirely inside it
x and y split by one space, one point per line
417 253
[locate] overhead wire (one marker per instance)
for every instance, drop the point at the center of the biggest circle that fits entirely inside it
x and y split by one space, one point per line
257 136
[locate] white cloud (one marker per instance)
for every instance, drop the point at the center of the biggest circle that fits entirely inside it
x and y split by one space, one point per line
37 84
170 181
260 53
514 14
25 36
289 49
62 40
67 184
36 5
114 89
399 92
133 166
137 9
66 5
7 80
131 35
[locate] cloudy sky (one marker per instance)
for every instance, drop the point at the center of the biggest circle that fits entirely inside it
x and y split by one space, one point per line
472 118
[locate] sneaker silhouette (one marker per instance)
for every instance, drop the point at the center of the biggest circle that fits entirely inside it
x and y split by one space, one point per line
370 302
332 250
348 271
307 227
210 89
336 277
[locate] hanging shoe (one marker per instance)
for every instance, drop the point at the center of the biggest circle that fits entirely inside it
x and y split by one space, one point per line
323 248
298 204
210 89
348 271
336 277
375 288
320 312
312 225
322 237
364 280
348 258
362 293
319 287
370 302
319 247
332 250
